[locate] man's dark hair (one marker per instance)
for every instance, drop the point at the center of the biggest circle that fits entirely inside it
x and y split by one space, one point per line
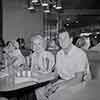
66 30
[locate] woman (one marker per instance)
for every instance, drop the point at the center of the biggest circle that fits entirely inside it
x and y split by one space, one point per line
13 56
41 62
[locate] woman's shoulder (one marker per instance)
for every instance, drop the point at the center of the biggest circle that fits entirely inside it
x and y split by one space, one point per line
47 53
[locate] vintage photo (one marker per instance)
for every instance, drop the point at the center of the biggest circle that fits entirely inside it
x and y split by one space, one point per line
49 50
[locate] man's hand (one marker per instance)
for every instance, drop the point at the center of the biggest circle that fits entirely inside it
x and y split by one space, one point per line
50 89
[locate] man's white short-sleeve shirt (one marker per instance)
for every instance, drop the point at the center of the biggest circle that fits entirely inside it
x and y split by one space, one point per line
69 64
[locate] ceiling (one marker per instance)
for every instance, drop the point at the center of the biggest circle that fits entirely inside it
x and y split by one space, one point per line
82 20
86 18
76 8
81 4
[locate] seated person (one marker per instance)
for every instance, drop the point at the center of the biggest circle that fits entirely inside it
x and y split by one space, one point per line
83 42
96 48
2 60
13 56
24 50
72 70
41 61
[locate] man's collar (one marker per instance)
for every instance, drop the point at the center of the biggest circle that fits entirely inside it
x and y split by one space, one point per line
67 50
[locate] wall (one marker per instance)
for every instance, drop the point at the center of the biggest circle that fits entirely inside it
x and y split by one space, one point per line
18 21
0 19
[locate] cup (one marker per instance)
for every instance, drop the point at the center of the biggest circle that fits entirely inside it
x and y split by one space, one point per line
18 74
29 73
24 73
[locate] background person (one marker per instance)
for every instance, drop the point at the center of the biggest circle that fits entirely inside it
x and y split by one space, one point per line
83 42
2 60
13 56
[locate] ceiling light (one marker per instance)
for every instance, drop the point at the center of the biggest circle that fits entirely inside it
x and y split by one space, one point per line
95 37
67 24
38 4
97 32
77 21
84 34
34 1
31 8
58 6
46 10
54 5
68 18
44 3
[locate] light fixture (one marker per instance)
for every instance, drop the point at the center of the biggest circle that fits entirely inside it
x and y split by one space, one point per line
46 9
95 37
67 24
68 18
50 5
84 34
97 32
34 1
54 4
77 21
30 6
58 5
44 3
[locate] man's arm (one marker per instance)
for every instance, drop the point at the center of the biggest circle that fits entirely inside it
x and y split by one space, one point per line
75 80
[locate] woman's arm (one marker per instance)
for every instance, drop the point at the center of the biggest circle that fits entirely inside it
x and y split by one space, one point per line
51 76
74 81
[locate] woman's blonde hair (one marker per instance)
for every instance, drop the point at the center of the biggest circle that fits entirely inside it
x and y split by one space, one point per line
40 38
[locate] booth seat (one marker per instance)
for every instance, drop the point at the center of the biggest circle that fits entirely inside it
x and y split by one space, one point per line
94 61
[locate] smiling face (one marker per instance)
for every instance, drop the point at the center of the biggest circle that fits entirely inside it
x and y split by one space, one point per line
64 40
10 47
37 43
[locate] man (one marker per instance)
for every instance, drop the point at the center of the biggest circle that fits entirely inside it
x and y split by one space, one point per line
72 68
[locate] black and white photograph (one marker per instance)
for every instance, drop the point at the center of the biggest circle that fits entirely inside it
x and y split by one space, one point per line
49 49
